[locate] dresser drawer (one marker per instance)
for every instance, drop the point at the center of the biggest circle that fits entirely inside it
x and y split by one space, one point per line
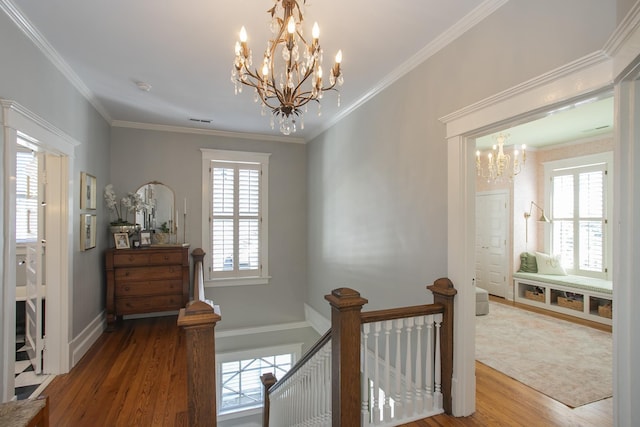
126 289
129 259
135 305
166 258
167 272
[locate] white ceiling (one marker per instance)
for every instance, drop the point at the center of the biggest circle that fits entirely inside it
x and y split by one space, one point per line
581 120
185 51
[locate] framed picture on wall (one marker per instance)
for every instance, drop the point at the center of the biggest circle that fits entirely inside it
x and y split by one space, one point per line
87 231
87 191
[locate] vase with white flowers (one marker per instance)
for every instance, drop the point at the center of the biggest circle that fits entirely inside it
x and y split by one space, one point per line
131 203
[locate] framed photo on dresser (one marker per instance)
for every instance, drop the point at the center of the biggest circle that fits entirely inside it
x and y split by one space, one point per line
122 240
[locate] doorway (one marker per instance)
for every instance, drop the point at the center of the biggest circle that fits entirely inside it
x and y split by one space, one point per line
57 149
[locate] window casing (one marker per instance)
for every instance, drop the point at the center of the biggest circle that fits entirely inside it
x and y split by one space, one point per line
235 206
579 192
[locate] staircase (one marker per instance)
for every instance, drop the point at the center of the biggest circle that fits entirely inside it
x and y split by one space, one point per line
383 368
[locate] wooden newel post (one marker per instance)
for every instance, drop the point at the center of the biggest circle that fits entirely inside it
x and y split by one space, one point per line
268 380
444 293
346 305
198 320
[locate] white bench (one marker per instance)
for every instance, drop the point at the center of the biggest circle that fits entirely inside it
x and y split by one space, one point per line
578 296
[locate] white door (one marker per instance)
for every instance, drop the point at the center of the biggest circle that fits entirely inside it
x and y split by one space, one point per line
491 242
34 258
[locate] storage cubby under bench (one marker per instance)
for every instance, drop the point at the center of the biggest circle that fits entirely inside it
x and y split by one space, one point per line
579 296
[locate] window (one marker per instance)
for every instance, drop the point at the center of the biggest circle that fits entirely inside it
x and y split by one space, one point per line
579 232
26 196
238 376
236 187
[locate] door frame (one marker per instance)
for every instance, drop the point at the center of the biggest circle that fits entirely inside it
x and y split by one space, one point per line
48 138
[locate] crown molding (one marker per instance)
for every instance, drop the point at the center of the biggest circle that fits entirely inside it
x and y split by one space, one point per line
32 33
447 37
623 31
210 132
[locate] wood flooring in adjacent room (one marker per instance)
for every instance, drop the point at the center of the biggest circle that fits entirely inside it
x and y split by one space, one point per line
136 376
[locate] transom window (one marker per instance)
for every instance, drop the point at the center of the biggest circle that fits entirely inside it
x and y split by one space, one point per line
236 202
578 191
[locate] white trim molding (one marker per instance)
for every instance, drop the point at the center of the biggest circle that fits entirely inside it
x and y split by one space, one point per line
262 329
85 339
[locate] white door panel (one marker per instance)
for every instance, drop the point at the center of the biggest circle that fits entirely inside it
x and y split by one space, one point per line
491 242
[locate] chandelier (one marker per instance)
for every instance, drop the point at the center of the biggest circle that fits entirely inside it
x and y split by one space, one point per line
285 84
501 166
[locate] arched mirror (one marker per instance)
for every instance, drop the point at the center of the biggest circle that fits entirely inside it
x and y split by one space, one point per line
160 208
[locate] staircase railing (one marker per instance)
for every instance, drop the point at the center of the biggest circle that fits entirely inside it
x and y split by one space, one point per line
198 319
386 367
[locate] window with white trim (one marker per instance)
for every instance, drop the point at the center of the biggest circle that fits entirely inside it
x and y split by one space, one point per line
235 185
238 375
26 196
579 192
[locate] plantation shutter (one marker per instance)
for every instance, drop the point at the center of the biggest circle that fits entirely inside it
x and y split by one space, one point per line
26 197
578 217
235 219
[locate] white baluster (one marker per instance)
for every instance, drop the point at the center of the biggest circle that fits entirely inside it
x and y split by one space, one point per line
327 383
428 382
376 374
397 396
437 397
387 371
365 416
418 403
408 372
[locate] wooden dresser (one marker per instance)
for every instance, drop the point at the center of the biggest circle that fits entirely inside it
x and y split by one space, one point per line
145 280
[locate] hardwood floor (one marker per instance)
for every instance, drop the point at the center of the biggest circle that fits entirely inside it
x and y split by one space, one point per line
136 376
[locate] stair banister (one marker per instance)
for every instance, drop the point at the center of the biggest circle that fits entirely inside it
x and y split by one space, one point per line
198 319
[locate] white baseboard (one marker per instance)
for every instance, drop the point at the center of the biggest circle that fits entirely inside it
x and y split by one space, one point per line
89 335
261 329
317 321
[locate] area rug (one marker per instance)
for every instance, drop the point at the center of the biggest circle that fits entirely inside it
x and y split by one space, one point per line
568 362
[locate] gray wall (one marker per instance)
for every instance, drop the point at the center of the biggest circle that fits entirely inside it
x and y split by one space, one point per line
27 77
377 180
175 159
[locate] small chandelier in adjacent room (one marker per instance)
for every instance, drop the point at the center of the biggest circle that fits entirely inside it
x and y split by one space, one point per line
284 82
501 166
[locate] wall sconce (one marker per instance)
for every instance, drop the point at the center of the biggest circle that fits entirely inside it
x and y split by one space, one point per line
527 215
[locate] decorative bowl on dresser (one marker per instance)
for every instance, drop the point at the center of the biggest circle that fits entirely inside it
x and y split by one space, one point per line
146 280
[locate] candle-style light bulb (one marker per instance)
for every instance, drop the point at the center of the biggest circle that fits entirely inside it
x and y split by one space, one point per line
291 25
243 35
339 57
